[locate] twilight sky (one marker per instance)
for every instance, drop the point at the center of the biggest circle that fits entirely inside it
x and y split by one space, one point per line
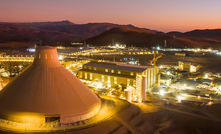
162 15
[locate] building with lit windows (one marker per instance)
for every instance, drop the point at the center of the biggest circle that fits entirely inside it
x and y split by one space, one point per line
189 67
112 74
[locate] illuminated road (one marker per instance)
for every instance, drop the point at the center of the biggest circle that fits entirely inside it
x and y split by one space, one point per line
16 59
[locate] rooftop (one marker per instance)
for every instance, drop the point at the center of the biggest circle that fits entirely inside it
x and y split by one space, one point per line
112 74
194 64
119 66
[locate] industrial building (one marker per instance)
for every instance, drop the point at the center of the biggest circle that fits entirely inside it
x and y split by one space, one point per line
112 74
46 91
189 67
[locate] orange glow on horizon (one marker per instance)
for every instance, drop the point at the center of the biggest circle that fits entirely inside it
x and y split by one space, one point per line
170 15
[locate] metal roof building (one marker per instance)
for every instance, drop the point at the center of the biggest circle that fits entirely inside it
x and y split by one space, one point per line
47 90
119 66
115 74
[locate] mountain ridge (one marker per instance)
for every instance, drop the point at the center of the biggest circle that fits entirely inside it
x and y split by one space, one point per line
64 32
140 38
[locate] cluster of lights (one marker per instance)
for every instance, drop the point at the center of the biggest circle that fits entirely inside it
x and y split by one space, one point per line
60 57
8 58
118 46
196 96
218 53
161 92
180 98
190 49
210 103
31 49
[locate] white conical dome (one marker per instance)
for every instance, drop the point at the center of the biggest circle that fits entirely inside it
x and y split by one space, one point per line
46 88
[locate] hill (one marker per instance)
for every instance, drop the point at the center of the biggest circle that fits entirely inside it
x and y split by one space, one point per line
142 38
65 32
213 34
210 36
53 33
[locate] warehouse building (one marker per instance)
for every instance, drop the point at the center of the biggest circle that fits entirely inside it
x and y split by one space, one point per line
189 67
112 74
